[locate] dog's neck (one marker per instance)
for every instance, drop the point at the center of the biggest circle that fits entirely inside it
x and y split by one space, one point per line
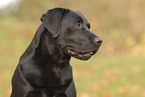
40 63
42 50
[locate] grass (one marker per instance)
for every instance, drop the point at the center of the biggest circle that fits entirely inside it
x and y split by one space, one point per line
110 76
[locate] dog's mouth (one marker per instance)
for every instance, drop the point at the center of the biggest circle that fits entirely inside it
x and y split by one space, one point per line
79 55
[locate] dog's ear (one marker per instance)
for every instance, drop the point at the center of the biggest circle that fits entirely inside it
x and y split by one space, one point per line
52 20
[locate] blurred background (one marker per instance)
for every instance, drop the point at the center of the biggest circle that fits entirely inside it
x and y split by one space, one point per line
117 70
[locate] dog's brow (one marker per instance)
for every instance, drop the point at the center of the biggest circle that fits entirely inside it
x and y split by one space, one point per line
79 19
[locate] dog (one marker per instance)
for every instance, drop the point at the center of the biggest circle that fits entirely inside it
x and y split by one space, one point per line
44 69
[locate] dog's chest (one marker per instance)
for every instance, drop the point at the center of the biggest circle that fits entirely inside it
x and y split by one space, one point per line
57 77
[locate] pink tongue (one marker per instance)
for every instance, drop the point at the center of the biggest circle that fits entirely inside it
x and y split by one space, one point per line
74 53
91 52
83 55
88 54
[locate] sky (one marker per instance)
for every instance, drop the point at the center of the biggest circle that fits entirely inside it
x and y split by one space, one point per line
4 3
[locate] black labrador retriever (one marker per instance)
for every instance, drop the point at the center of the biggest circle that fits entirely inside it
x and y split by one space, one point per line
44 69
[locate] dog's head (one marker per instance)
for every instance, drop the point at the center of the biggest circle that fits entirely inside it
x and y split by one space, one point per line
72 32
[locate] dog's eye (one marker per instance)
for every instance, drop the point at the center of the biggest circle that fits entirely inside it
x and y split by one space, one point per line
78 25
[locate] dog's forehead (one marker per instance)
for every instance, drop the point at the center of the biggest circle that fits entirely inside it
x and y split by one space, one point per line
81 15
75 15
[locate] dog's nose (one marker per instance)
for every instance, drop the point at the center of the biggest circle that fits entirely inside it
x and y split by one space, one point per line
98 41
